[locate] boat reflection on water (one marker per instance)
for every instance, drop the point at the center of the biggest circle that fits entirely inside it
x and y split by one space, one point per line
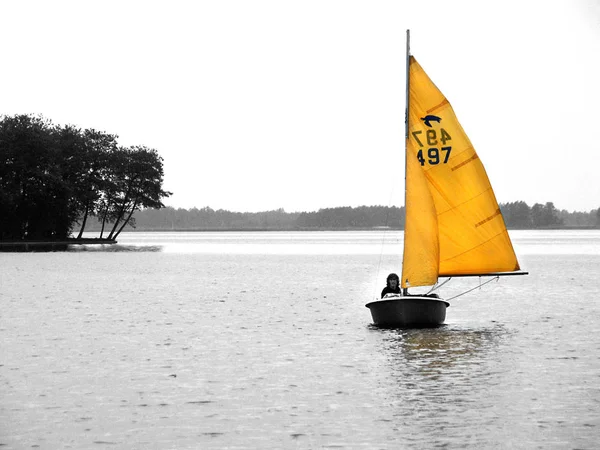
436 380
445 353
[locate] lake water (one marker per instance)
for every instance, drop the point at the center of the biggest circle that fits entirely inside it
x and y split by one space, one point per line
261 340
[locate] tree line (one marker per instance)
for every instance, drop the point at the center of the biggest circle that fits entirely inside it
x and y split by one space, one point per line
55 178
517 215
363 217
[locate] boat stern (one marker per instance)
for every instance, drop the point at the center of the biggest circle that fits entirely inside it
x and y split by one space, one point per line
408 311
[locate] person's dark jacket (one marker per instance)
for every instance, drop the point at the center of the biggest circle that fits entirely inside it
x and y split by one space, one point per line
389 290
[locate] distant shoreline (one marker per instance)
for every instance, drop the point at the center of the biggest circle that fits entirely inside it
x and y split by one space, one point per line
240 229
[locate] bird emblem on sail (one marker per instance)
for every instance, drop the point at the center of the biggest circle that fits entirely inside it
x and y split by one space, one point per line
430 118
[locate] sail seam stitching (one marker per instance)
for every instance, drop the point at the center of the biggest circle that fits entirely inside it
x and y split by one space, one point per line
457 206
497 213
435 108
467 161
473 248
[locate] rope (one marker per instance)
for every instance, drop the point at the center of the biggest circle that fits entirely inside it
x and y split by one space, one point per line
375 287
436 286
481 284
385 232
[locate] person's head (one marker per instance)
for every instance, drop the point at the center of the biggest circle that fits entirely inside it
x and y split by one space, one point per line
393 281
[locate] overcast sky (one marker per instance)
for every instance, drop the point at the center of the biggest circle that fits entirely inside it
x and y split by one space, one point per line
259 105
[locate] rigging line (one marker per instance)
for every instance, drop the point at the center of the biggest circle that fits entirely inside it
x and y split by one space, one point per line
476 287
385 230
383 240
436 286
374 295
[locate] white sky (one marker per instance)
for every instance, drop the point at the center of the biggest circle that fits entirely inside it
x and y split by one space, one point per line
257 105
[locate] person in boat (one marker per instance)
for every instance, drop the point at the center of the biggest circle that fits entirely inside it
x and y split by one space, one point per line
392 285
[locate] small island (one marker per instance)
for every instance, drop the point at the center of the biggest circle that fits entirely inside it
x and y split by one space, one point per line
53 178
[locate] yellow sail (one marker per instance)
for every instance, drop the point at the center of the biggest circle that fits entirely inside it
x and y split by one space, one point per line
453 222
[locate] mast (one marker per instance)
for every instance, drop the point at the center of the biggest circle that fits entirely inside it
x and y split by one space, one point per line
405 290
407 98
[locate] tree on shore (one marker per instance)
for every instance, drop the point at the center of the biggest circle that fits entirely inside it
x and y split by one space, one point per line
137 185
32 191
96 147
52 177
516 214
544 216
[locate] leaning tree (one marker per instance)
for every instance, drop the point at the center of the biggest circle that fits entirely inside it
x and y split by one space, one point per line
136 183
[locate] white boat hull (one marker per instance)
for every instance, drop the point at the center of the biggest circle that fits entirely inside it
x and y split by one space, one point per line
408 311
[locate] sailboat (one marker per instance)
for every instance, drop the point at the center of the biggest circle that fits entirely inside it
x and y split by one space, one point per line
454 226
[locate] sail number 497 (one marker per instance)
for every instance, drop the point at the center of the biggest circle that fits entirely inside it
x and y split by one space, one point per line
432 154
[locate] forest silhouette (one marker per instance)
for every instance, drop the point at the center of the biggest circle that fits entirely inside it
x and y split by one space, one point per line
517 215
